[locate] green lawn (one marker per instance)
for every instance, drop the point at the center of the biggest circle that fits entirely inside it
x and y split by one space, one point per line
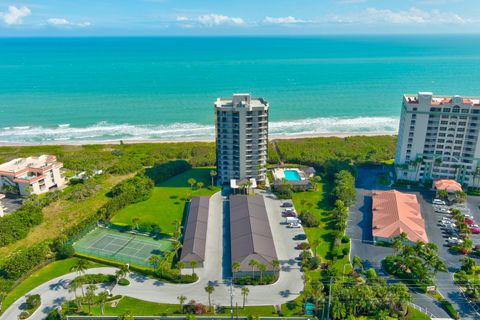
167 203
145 308
324 232
47 273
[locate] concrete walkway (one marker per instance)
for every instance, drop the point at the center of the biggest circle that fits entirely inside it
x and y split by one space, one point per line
288 286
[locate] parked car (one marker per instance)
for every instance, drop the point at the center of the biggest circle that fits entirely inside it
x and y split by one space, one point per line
454 241
469 221
468 216
451 231
294 225
287 205
474 230
300 236
290 220
289 213
302 246
439 202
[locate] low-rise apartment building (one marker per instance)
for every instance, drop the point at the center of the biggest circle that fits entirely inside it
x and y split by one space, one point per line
438 139
32 175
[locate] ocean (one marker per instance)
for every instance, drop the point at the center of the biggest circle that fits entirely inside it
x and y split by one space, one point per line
64 90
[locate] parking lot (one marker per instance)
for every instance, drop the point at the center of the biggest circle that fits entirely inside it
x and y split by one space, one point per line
11 204
360 231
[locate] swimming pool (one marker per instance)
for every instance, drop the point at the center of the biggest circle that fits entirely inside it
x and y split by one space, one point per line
292 175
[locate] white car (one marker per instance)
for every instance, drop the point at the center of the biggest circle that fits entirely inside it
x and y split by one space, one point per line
439 202
454 241
445 219
294 225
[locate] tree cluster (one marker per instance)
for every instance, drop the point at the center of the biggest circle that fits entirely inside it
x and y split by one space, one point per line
17 225
415 264
344 188
374 298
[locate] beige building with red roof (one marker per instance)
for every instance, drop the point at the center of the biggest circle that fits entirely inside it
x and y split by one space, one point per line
438 138
393 213
449 185
32 175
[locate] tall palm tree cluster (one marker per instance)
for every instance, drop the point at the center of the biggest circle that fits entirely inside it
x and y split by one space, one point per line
415 264
89 296
351 298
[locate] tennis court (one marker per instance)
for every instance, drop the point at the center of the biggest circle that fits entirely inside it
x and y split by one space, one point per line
122 247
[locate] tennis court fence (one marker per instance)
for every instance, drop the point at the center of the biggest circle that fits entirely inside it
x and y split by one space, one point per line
116 258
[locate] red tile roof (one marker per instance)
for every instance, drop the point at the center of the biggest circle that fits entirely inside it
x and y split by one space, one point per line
395 212
448 184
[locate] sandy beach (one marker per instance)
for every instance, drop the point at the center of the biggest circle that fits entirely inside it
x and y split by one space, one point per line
271 137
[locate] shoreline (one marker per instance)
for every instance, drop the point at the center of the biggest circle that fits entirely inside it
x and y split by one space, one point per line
207 140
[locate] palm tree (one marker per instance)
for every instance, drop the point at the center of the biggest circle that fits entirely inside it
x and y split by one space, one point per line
209 289
180 265
357 263
317 292
262 267
235 268
213 173
200 185
193 264
245 292
253 263
276 266
182 300
90 297
154 261
191 182
102 299
135 222
80 267
177 245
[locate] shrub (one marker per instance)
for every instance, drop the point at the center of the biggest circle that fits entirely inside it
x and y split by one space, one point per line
24 315
94 278
23 261
123 282
313 263
33 301
345 251
308 219
282 191
345 239
65 251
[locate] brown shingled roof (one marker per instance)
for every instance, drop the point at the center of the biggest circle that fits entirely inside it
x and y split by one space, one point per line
195 236
250 233
395 212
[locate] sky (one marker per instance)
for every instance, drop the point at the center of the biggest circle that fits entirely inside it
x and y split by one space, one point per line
241 17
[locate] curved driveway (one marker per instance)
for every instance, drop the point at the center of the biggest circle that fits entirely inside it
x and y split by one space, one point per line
288 287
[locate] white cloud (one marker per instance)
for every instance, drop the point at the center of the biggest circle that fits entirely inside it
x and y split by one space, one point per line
15 15
403 17
62 22
219 19
284 20
182 18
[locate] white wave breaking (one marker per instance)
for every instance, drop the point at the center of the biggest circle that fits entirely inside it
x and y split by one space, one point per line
105 131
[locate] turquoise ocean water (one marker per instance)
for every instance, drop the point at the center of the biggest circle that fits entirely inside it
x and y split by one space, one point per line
96 89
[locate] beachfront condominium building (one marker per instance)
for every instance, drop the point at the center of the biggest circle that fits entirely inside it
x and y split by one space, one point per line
438 139
32 175
241 125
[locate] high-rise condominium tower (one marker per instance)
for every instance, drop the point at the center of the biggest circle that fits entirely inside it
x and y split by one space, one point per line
438 139
241 125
